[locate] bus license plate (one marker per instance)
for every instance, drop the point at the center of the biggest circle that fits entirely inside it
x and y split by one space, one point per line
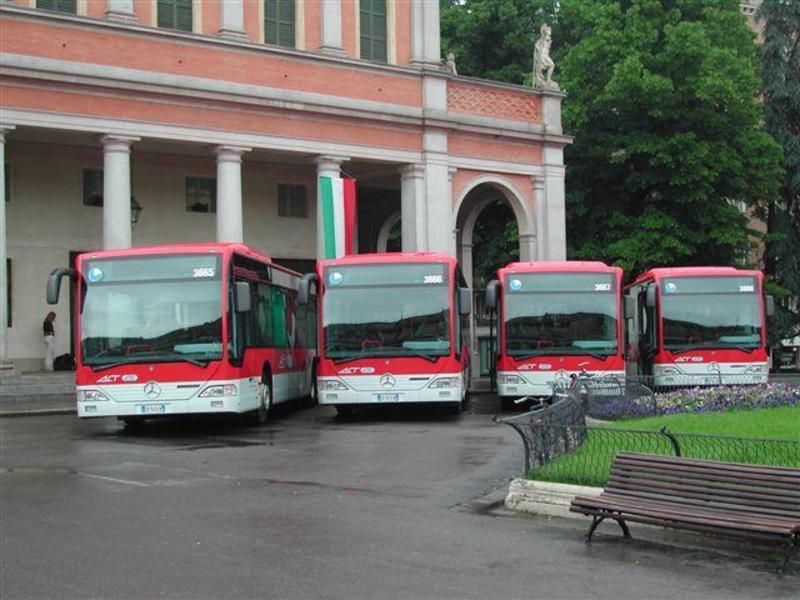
152 409
386 397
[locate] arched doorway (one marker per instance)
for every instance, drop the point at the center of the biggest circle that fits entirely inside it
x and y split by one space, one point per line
492 217
389 236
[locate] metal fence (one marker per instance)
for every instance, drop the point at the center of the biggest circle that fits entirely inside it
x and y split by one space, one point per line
549 430
560 447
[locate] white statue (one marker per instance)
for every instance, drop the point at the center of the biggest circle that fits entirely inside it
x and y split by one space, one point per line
543 65
450 65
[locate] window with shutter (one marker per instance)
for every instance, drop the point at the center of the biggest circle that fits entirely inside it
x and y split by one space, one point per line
279 22
373 36
175 14
68 6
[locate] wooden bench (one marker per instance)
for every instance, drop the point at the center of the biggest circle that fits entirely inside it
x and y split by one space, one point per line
748 501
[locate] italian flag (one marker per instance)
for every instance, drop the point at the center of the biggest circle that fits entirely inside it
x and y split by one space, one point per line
338 202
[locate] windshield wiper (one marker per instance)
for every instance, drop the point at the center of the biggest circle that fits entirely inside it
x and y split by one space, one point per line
683 349
391 352
143 359
562 352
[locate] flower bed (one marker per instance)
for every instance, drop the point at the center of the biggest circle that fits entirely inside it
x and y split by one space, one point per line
696 400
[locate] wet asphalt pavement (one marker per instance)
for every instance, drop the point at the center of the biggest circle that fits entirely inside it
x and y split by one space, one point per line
310 506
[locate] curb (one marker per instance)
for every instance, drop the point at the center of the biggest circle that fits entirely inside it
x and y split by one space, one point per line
38 412
546 498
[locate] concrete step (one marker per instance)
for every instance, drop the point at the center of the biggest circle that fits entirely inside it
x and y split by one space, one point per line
36 389
60 377
39 401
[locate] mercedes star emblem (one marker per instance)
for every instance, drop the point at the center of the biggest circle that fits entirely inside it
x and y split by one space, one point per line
388 381
152 390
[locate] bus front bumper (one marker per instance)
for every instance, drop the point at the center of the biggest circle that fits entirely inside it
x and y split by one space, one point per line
348 395
515 384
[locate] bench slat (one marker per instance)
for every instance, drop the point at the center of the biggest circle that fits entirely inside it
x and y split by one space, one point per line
783 512
750 535
689 471
725 466
676 487
699 511
681 516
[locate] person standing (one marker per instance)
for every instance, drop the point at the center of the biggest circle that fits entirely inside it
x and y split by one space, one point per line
49 341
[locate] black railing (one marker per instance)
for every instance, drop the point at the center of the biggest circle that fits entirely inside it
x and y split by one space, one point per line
560 447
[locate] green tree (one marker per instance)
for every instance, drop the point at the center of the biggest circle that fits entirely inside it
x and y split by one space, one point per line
493 39
495 242
780 68
668 138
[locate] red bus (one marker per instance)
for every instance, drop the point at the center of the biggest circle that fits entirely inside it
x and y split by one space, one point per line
394 329
556 320
699 326
187 328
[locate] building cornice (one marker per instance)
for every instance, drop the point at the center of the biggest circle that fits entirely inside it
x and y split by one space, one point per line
41 69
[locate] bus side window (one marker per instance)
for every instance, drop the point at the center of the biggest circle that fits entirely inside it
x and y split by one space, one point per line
263 316
311 323
279 323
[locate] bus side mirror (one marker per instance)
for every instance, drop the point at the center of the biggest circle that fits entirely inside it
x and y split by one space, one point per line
464 301
650 299
304 288
770 301
492 292
630 306
241 295
54 283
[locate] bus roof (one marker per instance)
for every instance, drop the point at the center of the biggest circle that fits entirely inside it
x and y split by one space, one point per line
182 248
662 272
389 257
558 266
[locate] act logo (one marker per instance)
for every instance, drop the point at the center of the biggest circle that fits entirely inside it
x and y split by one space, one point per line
685 359
357 371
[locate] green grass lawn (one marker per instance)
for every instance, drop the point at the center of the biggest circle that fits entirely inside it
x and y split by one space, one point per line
782 423
591 462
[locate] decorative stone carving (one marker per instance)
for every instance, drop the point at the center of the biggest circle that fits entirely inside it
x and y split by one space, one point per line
543 65
450 64
488 102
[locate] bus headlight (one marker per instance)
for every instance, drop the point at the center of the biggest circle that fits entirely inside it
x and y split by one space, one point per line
444 382
332 385
218 391
91 396
756 369
510 379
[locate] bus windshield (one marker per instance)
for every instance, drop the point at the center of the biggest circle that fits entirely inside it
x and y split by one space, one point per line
711 312
560 314
386 310
152 309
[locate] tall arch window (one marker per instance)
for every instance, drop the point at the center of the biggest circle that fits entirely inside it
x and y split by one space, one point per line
175 14
372 15
68 6
279 22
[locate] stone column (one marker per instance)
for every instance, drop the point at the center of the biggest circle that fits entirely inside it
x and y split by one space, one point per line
527 247
556 219
6 367
540 217
230 226
331 27
425 33
327 166
121 10
117 191
412 211
232 19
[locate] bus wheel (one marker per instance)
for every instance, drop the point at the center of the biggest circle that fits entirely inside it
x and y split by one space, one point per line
313 395
261 415
133 422
344 411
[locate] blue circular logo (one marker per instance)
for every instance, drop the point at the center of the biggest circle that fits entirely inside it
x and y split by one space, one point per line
335 278
671 287
95 275
515 285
